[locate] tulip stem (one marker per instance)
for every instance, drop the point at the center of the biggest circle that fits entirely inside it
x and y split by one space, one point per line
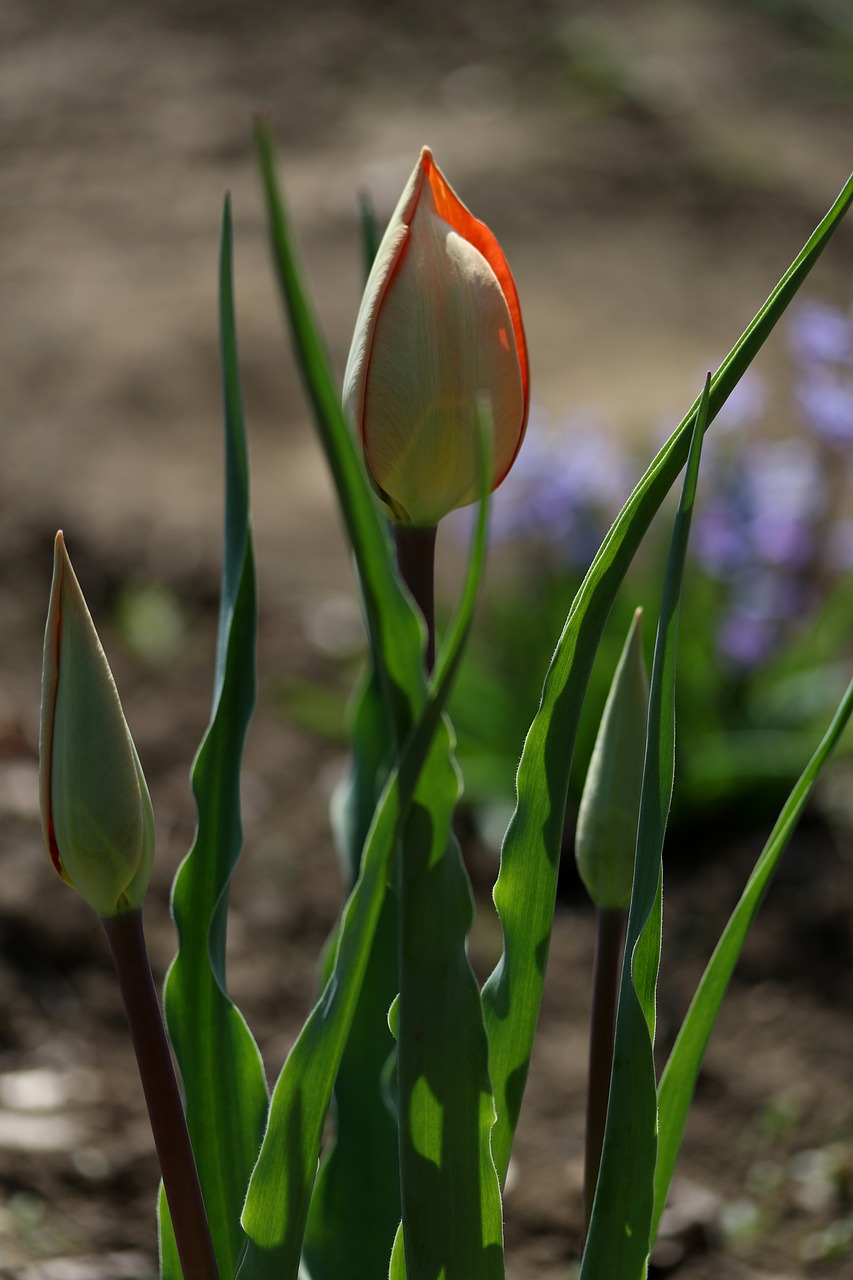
162 1095
416 560
609 938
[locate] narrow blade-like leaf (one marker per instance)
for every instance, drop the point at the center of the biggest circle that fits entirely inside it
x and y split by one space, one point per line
678 1081
221 1069
395 629
357 1193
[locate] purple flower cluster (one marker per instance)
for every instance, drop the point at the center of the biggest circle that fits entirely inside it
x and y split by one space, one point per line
566 485
821 344
768 527
757 532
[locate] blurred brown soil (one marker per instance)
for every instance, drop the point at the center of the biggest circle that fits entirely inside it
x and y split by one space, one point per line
651 169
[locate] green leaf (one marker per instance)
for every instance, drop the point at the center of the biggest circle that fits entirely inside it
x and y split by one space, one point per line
280 1189
452 1217
618 1240
357 1194
221 1069
526 888
678 1081
395 628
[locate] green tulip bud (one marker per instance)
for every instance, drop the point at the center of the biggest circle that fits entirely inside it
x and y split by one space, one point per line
606 836
96 811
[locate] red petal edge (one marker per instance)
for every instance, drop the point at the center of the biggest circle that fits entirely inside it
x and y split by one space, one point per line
454 212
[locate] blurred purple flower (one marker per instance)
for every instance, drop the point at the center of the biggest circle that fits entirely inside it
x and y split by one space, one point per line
719 538
744 640
784 475
566 485
826 402
840 546
782 542
765 501
786 496
757 533
746 404
820 333
762 601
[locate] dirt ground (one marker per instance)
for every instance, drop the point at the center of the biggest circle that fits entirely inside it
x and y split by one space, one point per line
650 169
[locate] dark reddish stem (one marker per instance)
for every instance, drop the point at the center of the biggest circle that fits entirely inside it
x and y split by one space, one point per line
416 559
609 939
162 1096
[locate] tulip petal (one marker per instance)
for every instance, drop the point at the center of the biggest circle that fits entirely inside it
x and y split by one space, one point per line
439 327
441 339
454 212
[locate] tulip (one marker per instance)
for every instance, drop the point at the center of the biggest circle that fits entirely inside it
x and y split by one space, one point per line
96 811
439 329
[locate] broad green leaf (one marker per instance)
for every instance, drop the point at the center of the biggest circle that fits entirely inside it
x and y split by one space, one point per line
445 1096
678 1081
221 1069
280 1189
526 887
357 1194
617 1243
452 1217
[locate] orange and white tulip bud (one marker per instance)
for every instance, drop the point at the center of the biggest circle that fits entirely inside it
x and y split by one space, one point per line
96 811
438 331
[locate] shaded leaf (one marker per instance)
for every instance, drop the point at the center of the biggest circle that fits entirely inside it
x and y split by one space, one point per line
221 1068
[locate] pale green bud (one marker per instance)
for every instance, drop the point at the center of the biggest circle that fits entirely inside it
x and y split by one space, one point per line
96 812
606 836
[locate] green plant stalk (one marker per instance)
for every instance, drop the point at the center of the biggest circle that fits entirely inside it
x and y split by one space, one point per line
162 1095
607 968
416 561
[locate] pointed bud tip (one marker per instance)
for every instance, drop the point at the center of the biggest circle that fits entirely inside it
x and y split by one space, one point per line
456 281
606 832
96 811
